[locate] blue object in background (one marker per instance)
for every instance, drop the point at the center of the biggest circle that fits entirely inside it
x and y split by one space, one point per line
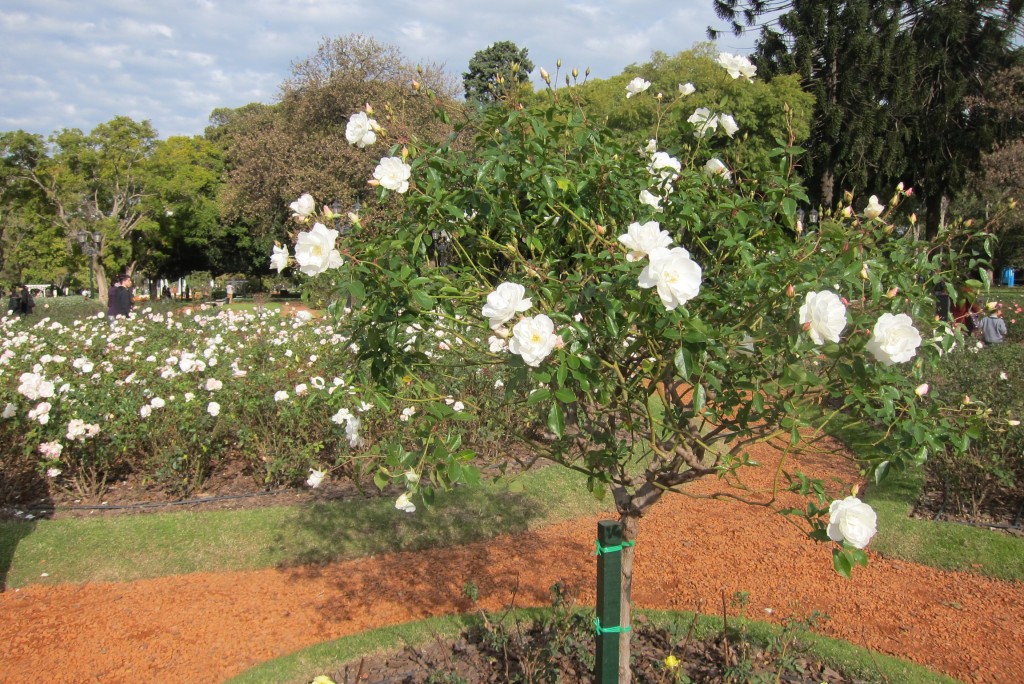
1008 276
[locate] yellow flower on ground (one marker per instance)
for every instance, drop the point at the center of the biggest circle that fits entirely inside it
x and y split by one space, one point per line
671 662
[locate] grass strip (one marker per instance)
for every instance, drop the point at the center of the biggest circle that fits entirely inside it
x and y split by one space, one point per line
131 547
330 657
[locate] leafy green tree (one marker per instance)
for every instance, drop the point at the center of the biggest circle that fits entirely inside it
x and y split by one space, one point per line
27 224
186 176
845 53
893 83
495 71
767 113
955 47
93 183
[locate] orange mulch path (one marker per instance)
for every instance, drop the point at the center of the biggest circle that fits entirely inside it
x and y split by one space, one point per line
206 627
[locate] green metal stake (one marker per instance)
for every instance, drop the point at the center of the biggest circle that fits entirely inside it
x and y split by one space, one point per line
609 601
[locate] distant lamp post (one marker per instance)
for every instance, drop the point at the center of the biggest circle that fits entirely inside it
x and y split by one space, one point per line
812 219
90 246
442 244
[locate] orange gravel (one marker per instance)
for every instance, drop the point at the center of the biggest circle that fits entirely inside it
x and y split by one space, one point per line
207 627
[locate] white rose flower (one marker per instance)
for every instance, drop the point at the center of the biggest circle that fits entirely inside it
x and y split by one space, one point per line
921 390
213 408
873 209
157 403
687 89
650 199
853 521
823 315
403 503
53 472
715 167
315 251
533 338
41 413
213 385
636 86
280 395
146 411
737 65
361 130
703 121
642 239
9 411
664 166
674 273
315 478
728 124
279 259
51 449
304 206
652 146
894 339
504 303
393 174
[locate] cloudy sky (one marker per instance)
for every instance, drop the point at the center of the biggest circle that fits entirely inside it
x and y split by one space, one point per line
80 63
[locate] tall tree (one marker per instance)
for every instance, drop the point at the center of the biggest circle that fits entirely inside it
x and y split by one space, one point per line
93 183
495 71
276 153
956 46
844 51
186 175
766 113
893 80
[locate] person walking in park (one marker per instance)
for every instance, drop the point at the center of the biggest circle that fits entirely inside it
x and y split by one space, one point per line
119 298
230 290
14 303
28 304
993 327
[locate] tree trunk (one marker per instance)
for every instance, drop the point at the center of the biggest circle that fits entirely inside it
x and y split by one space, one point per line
102 286
828 182
630 529
933 215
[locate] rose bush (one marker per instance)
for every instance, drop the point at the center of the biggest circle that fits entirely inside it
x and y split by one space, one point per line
679 314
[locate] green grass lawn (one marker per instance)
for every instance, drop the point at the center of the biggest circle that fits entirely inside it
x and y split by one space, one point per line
158 544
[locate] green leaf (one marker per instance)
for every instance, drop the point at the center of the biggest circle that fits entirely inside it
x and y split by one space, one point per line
565 395
357 290
841 562
538 396
684 362
789 207
423 300
381 479
556 420
881 470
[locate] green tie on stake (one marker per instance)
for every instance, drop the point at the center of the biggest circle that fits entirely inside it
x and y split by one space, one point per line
609 600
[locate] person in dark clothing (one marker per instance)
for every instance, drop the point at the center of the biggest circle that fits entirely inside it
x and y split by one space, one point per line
28 304
119 298
14 303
